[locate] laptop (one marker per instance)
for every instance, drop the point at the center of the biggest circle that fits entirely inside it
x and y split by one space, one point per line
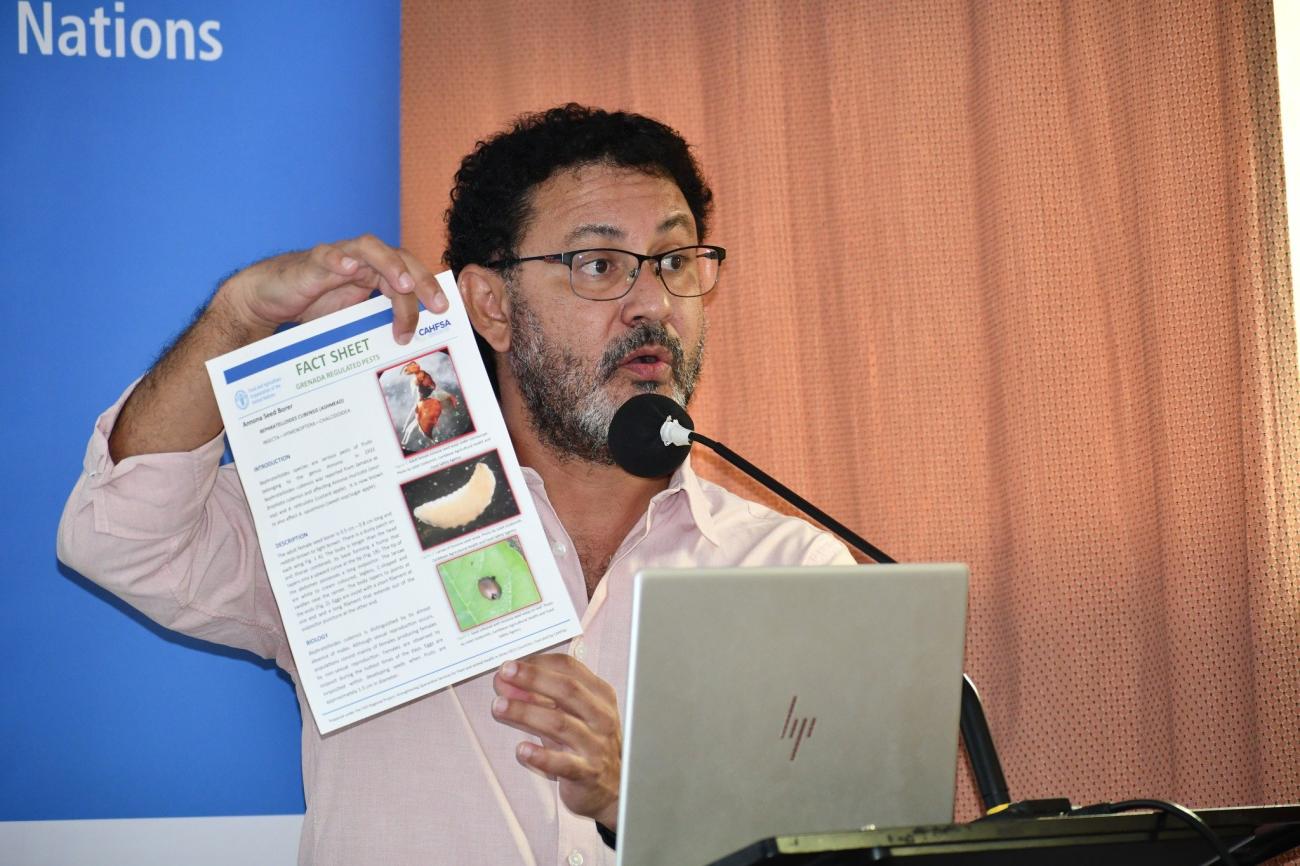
776 701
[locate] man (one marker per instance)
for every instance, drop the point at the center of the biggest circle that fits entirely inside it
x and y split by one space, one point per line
576 240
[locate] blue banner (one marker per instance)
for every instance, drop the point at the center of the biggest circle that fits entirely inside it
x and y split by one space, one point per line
150 149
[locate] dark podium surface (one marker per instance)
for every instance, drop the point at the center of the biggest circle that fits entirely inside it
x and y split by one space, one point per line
1253 834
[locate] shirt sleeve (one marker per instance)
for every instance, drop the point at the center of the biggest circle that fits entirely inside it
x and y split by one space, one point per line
171 535
826 549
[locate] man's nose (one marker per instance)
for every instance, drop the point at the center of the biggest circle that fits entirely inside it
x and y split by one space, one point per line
647 299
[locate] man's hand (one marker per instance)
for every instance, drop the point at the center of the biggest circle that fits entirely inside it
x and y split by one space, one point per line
173 408
575 714
297 287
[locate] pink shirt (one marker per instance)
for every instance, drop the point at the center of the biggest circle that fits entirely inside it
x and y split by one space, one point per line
436 780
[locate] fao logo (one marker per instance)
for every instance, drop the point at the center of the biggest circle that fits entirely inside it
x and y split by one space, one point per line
241 400
796 728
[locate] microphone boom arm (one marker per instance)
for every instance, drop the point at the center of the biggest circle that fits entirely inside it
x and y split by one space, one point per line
794 499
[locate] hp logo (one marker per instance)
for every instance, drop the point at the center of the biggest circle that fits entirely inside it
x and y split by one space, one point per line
797 729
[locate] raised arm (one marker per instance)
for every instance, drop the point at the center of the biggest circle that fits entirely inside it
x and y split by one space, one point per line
173 408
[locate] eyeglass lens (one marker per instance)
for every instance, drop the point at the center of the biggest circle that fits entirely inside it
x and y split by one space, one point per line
600 274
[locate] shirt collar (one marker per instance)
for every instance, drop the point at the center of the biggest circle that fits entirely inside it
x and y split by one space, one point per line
684 482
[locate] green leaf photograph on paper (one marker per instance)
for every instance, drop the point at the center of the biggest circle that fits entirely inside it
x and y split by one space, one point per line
488 583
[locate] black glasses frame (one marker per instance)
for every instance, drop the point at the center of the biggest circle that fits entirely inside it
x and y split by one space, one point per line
566 259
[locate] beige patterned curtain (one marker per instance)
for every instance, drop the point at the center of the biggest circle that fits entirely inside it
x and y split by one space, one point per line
1007 284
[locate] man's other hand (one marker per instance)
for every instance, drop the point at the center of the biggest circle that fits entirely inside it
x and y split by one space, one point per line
575 715
297 287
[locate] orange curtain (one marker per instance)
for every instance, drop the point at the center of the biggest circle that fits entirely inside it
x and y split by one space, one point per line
1007 284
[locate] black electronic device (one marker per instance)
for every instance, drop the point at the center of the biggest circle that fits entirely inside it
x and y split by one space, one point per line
1253 834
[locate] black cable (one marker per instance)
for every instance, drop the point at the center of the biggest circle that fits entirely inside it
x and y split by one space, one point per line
1182 813
796 500
980 751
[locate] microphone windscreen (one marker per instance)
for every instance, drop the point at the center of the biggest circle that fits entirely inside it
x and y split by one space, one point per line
634 440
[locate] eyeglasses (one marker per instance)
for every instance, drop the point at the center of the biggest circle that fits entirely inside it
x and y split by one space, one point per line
607 275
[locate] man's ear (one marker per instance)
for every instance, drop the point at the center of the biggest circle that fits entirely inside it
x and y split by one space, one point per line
483 292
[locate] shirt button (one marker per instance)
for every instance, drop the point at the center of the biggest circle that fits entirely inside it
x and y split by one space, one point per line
579 648
575 857
559 548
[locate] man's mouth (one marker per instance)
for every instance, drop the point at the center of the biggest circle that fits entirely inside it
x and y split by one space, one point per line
648 362
649 353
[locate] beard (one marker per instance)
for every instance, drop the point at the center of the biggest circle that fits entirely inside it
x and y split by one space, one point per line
569 407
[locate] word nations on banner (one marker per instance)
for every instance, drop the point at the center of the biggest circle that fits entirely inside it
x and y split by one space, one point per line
45 30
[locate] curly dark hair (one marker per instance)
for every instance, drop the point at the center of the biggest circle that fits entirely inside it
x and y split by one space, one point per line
490 201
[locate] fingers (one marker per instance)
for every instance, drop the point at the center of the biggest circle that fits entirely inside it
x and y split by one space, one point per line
426 287
555 764
394 280
383 259
514 693
574 713
569 731
333 261
588 782
402 279
558 699
568 683
299 286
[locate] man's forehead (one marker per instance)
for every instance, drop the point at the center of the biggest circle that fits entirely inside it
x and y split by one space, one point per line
607 201
677 220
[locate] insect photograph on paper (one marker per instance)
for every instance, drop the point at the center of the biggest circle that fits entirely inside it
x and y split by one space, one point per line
425 402
488 583
459 499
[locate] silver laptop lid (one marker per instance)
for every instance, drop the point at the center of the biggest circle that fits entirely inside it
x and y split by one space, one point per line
769 701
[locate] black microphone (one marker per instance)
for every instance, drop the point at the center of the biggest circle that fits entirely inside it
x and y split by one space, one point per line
635 439
650 436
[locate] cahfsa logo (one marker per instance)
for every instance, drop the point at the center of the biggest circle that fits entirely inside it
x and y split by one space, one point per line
115 36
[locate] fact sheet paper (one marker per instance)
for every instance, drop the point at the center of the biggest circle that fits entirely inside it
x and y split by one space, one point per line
400 539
